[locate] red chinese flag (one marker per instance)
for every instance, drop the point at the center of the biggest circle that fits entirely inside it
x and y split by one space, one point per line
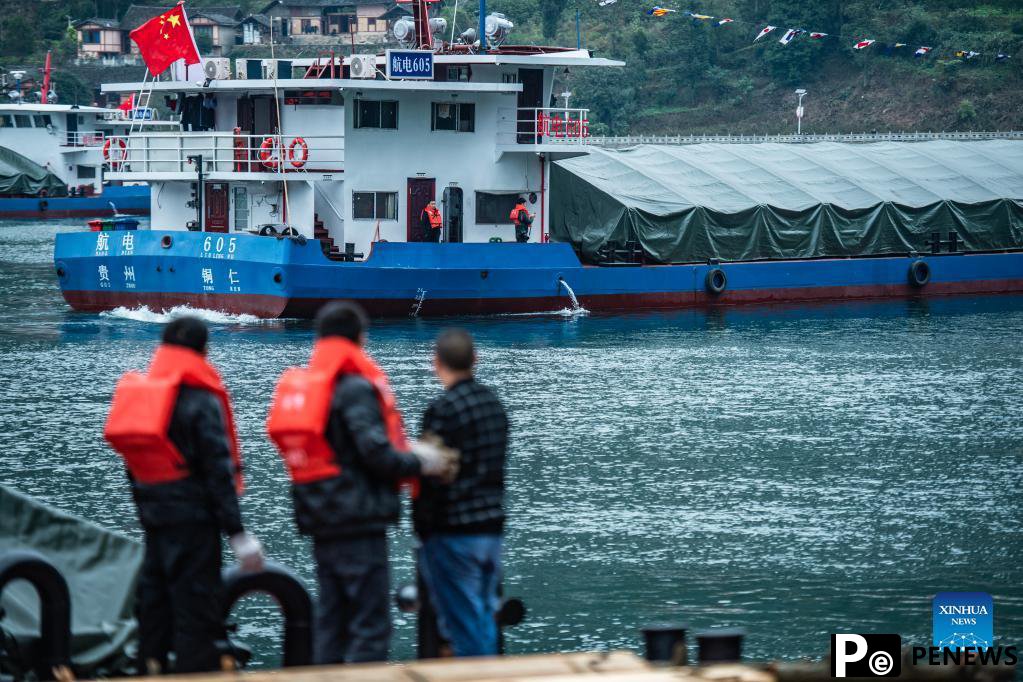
165 39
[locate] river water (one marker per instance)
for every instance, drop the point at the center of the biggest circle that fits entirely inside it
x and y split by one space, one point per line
795 471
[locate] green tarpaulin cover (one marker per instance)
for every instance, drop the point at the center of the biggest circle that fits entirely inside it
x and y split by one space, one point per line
100 567
689 203
19 175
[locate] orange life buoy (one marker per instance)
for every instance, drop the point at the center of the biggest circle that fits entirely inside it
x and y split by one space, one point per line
304 156
123 154
266 153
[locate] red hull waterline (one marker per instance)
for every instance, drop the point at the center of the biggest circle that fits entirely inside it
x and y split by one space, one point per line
278 306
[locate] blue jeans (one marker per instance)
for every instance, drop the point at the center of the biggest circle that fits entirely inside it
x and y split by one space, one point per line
463 573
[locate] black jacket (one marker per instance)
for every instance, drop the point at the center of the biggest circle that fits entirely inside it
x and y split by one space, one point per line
208 494
469 418
363 499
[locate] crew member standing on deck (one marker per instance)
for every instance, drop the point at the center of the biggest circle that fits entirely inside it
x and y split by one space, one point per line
461 523
341 436
523 220
432 222
174 428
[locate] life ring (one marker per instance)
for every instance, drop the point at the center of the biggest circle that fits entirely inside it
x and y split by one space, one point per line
114 163
716 281
919 273
300 143
266 153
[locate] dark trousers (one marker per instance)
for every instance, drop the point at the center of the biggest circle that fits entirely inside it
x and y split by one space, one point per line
180 598
353 619
433 234
521 232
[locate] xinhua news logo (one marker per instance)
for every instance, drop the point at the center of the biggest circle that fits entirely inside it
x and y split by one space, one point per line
866 655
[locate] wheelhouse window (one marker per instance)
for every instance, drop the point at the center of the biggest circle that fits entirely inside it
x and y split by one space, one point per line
459 117
495 207
375 205
6 121
41 120
371 113
23 121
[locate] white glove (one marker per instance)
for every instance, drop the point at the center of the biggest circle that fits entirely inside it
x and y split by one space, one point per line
436 460
248 550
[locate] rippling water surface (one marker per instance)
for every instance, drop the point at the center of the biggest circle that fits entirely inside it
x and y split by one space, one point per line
797 471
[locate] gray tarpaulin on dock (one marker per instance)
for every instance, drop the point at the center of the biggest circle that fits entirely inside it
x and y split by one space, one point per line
100 567
688 203
20 175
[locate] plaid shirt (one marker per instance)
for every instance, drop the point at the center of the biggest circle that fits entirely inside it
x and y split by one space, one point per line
469 418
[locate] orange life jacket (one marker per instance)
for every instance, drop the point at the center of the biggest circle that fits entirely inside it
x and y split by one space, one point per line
436 220
297 422
140 415
514 215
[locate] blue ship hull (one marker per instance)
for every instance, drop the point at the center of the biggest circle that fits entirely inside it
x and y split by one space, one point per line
133 199
290 277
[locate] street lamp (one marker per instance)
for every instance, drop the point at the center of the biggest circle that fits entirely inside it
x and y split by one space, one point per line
799 111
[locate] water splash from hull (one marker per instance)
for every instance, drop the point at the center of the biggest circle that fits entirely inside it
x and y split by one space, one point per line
144 314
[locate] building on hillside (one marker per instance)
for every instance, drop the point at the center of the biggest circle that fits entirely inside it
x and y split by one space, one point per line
101 39
330 21
253 30
108 40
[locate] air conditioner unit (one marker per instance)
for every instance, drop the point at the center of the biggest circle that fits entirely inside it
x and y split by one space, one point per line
217 68
269 69
364 66
240 69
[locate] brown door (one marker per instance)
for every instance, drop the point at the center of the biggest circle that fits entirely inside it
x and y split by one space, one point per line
421 191
216 206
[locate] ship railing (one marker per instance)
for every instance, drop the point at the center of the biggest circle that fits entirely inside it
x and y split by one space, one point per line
174 152
83 138
547 125
805 138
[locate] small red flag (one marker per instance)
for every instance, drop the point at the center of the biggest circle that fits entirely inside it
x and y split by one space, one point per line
128 104
165 39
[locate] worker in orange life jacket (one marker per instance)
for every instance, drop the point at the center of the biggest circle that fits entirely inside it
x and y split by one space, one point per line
432 222
522 219
340 434
174 429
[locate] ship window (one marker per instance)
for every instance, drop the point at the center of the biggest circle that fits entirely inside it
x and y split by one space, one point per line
241 208
459 117
376 114
86 172
6 121
495 207
22 121
375 205
41 120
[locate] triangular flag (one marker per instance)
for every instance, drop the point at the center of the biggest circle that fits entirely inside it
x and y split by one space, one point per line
862 44
763 33
817 36
898 45
725 21
699 16
1001 57
659 11
921 51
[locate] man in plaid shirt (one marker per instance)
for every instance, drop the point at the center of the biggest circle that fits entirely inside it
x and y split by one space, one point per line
461 523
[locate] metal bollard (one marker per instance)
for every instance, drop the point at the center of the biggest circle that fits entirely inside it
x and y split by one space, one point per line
666 643
293 598
720 646
55 609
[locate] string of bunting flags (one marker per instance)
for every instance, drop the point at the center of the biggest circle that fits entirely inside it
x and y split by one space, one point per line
791 34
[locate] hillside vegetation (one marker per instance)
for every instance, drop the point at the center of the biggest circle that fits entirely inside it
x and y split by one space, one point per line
692 76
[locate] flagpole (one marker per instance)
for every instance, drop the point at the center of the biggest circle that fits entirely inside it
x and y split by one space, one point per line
280 139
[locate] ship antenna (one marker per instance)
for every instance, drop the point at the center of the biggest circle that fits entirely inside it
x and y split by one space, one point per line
280 139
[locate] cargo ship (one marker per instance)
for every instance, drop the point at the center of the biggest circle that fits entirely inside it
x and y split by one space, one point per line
310 183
